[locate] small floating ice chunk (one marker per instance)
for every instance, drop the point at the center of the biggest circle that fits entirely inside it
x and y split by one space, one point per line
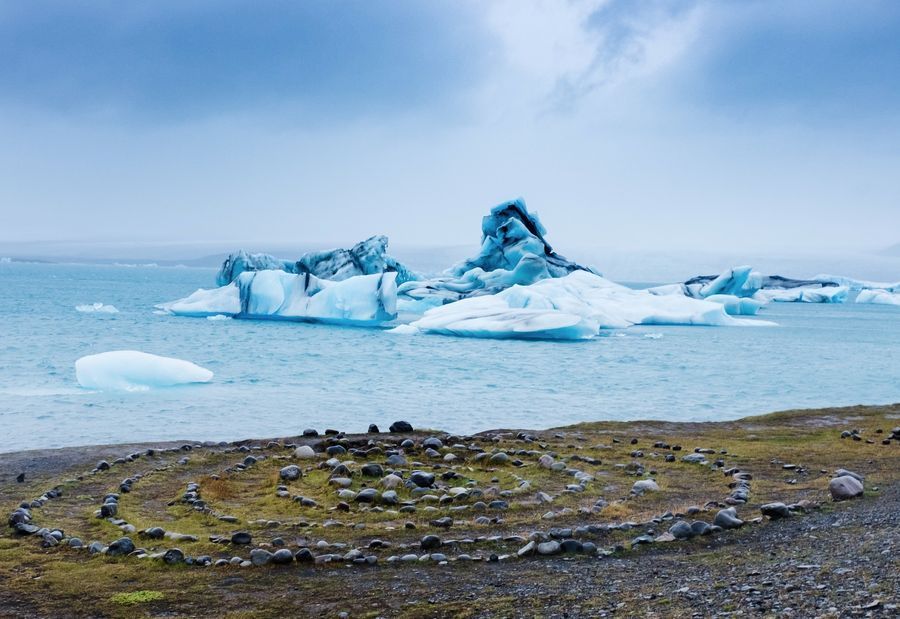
132 370
404 330
879 297
218 317
653 336
96 308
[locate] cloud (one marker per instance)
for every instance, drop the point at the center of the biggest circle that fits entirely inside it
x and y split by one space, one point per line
171 60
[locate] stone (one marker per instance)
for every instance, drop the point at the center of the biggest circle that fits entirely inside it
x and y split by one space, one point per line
775 510
304 555
103 465
727 519
121 546
367 495
682 530
260 556
396 460
391 481
571 546
644 485
282 556
432 442
499 458
401 426
75 542
695 458
430 542
310 432
290 473
305 452
336 450
845 487
241 538
173 556
373 429
701 528
155 533
443 523
548 548
422 479
842 472
372 470
527 549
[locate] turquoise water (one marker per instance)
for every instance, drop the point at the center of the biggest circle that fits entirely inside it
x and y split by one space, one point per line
275 379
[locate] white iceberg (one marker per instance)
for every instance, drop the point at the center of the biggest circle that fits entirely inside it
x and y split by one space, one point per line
367 257
737 306
269 294
573 307
96 308
132 370
878 297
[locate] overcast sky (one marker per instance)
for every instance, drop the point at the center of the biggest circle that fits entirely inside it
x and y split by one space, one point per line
629 124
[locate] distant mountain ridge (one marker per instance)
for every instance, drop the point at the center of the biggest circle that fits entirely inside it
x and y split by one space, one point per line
893 250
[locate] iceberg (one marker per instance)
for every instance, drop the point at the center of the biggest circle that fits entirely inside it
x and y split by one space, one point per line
132 370
879 297
96 308
367 257
576 306
269 294
745 283
513 252
859 284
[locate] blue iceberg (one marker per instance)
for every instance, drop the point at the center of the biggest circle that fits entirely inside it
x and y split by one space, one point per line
367 257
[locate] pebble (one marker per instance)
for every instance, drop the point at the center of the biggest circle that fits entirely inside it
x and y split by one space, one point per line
242 538
282 556
429 542
173 556
422 479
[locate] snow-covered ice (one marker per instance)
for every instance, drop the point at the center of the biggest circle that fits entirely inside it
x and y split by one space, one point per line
878 297
270 294
96 308
132 370
576 306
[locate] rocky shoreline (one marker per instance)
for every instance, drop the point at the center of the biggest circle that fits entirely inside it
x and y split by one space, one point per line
387 504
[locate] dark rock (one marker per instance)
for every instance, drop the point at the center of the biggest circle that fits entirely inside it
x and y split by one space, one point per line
372 470
290 473
373 429
173 556
571 546
103 465
401 426
310 432
336 450
430 542
775 510
20 478
282 556
422 479
241 538
121 546
304 555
